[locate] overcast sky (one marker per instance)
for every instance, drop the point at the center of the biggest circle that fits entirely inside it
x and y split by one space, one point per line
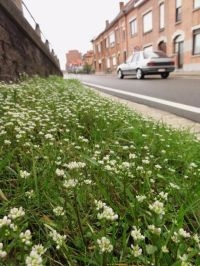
71 24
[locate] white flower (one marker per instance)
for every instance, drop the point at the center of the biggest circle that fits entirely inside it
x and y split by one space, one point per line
157 207
7 142
59 211
26 237
3 253
136 251
99 204
105 245
59 239
75 165
34 259
172 185
163 195
154 230
16 213
24 174
141 198
5 221
136 234
183 233
70 183
60 172
165 249
107 214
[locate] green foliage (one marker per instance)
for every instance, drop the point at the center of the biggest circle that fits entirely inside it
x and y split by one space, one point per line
86 181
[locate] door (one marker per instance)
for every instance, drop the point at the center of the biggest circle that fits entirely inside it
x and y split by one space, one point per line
179 50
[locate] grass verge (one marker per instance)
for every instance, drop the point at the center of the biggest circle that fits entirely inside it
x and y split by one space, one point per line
86 181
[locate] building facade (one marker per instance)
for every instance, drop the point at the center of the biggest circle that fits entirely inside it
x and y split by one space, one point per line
74 60
169 25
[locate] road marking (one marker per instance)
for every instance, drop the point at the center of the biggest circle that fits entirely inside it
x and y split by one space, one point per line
148 98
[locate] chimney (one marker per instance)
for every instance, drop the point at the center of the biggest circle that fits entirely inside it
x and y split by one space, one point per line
107 23
121 5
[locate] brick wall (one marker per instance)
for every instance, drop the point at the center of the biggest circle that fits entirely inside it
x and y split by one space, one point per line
21 49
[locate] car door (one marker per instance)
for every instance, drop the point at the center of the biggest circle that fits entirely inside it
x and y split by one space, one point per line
127 65
134 64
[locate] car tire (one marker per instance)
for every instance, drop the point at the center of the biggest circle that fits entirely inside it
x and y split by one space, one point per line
139 74
164 75
120 74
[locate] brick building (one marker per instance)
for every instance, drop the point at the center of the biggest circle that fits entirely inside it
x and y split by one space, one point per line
169 25
74 60
88 57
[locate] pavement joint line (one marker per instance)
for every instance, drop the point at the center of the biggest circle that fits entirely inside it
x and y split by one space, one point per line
149 98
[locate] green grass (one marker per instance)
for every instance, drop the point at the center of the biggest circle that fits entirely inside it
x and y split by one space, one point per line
86 181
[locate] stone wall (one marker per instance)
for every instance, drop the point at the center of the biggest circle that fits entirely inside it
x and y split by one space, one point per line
21 49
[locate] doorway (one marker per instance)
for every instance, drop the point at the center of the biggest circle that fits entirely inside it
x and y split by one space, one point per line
179 50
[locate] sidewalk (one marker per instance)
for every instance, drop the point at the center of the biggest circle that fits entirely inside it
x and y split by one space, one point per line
185 74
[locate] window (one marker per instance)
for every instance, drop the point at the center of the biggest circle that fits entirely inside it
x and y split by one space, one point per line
117 35
114 61
133 27
108 62
178 10
147 22
196 3
148 48
112 39
196 41
162 16
124 35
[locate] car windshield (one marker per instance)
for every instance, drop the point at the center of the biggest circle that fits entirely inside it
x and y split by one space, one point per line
156 54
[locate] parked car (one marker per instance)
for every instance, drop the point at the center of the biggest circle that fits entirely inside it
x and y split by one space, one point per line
146 63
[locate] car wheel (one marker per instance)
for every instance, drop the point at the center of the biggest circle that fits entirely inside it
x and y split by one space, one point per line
120 74
164 75
139 74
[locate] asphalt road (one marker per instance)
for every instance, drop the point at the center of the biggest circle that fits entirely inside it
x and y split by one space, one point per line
180 96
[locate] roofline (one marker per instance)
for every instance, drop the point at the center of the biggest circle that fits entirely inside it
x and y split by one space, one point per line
132 4
122 13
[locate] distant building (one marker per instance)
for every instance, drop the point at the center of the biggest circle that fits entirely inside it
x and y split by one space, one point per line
169 25
74 60
88 57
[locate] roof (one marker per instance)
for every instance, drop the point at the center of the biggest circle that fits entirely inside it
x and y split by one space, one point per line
126 9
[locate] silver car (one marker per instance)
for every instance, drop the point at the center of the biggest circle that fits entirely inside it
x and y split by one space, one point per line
146 63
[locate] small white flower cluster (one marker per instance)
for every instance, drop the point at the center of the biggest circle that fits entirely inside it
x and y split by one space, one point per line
154 230
26 237
16 213
58 238
29 194
24 174
180 234
3 253
5 221
105 245
107 212
140 198
35 256
136 250
136 234
59 211
60 172
157 207
70 183
75 165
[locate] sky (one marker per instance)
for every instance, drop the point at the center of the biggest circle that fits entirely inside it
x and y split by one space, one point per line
71 24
